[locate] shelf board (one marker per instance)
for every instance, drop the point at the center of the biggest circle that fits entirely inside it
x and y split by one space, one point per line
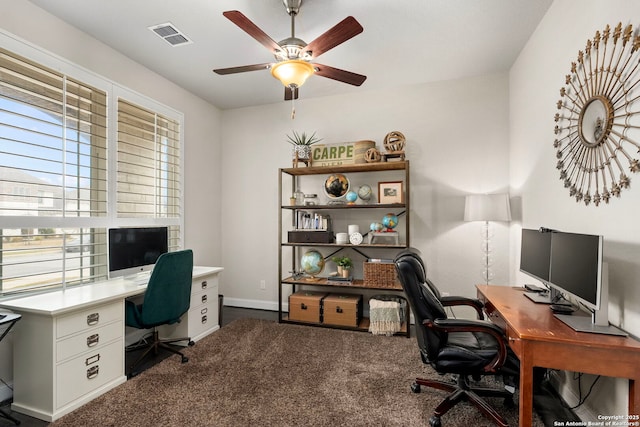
346 245
364 167
363 326
322 281
347 206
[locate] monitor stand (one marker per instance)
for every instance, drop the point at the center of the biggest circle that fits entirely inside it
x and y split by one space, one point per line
580 323
539 297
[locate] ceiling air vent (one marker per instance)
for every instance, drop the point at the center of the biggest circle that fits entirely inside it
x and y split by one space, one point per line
169 33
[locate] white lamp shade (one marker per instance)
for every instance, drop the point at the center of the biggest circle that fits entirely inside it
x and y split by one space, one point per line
487 207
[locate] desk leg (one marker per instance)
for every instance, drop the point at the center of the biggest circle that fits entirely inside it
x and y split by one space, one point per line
634 397
526 390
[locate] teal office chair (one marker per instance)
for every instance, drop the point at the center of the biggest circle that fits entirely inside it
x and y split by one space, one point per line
166 299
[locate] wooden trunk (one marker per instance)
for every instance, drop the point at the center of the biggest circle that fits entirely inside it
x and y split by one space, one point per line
342 309
306 306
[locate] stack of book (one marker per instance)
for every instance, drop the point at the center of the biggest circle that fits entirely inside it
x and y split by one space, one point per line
339 280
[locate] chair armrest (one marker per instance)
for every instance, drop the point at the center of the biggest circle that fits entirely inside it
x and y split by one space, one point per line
472 302
481 326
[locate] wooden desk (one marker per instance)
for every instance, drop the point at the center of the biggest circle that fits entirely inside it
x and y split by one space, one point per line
539 339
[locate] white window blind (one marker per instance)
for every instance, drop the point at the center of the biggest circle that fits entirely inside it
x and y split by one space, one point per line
148 179
53 149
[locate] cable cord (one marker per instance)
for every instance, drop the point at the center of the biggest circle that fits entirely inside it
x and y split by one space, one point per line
582 400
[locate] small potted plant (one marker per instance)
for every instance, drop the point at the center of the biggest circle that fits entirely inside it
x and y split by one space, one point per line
344 264
302 144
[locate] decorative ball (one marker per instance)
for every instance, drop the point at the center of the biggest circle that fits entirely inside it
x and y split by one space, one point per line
394 141
312 262
376 226
372 155
336 186
390 221
364 192
351 196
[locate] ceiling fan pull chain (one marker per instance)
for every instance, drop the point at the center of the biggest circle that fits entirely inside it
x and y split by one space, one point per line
293 107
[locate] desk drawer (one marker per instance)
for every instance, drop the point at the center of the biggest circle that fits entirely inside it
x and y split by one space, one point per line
92 339
90 318
514 341
88 372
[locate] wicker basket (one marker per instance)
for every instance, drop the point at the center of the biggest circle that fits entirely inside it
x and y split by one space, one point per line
380 275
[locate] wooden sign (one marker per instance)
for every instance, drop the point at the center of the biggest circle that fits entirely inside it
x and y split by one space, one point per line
346 153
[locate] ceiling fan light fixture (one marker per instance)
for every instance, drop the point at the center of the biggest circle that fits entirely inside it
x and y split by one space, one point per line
292 73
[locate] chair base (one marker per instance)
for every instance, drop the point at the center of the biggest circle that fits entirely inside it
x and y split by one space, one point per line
462 391
154 346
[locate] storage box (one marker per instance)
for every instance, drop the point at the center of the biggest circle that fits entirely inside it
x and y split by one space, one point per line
342 310
306 306
380 275
305 236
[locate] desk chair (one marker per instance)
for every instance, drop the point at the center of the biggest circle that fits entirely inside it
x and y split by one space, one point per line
166 299
454 346
8 319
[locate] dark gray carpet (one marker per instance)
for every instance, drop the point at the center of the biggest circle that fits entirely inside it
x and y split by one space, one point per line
258 372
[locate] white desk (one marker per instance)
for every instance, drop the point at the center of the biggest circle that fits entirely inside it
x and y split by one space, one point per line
69 345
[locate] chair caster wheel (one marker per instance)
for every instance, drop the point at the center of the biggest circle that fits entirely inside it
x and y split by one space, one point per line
415 387
185 359
191 344
435 422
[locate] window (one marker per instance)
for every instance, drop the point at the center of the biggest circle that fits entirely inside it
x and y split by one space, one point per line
55 175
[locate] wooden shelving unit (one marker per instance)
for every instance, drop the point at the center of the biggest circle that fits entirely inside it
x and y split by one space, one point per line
288 284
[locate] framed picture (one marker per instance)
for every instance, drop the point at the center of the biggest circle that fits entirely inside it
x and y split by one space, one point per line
390 192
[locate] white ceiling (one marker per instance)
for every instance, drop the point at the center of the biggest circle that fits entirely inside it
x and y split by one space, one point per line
404 42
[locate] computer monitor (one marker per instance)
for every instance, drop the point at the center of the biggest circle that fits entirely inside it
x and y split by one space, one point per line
134 250
578 271
576 267
535 254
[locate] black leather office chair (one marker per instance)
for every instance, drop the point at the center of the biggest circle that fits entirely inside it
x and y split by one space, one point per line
166 299
464 347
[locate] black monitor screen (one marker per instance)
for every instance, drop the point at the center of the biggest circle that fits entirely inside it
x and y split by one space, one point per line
132 250
576 262
535 253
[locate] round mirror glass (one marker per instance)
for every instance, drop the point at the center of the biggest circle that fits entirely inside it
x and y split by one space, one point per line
593 122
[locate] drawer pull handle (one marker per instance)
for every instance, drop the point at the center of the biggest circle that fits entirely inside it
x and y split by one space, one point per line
93 319
338 309
204 284
204 319
303 306
204 298
92 359
204 310
93 340
92 372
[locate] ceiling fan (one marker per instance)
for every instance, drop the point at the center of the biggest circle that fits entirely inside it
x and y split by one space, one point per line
293 64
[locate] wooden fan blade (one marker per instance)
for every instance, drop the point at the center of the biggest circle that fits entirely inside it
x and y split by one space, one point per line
339 33
242 69
252 29
339 75
290 94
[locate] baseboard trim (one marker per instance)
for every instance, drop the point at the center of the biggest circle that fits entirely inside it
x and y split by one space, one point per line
254 304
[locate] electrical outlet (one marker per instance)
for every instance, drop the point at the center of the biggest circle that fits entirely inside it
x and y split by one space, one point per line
263 284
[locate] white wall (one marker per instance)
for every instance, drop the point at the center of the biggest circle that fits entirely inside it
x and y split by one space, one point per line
201 129
456 142
535 82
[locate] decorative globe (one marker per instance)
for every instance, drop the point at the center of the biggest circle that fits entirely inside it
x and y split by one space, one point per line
376 226
390 221
351 197
364 192
312 263
336 185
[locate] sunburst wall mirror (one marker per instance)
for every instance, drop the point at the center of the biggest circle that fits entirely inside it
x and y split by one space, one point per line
597 125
